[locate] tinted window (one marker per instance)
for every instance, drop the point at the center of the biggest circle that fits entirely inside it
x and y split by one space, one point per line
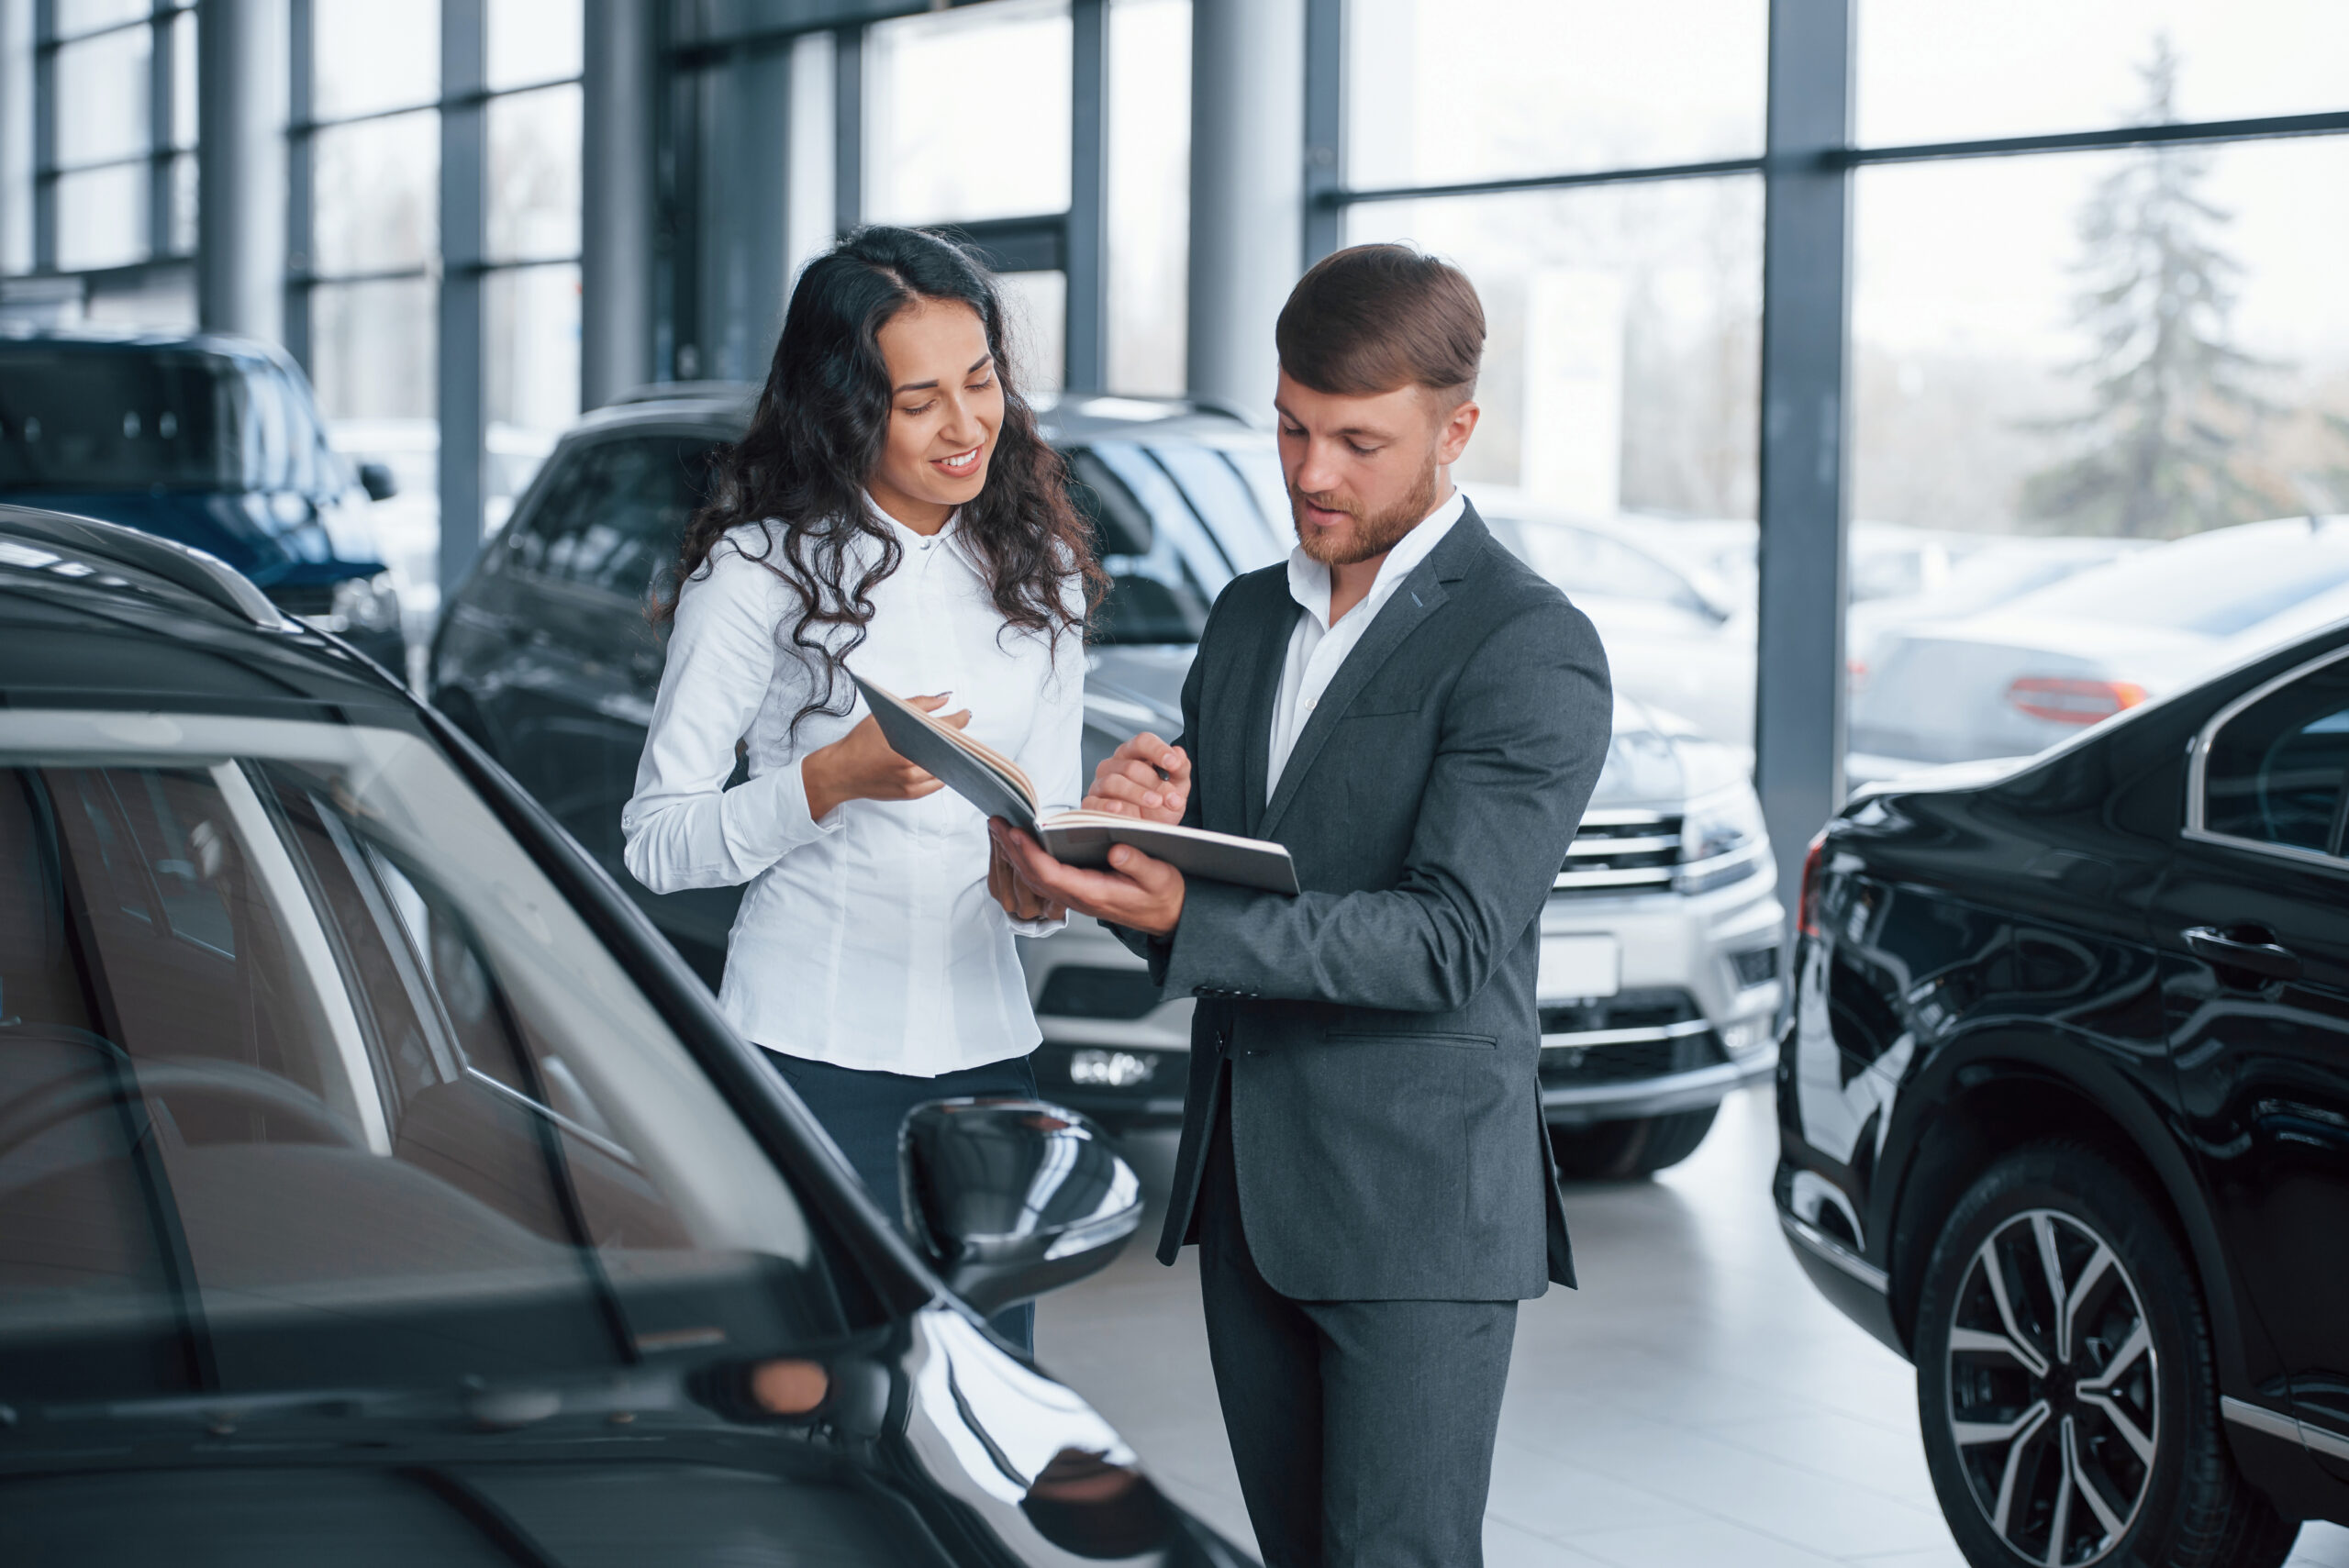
611 515
1163 571
115 419
2274 773
308 1077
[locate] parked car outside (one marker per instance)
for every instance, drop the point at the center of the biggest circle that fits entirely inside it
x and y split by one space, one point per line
2065 1113
1665 975
213 442
1676 637
377 1187
2038 669
1994 576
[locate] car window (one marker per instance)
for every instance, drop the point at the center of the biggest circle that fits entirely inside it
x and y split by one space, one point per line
110 420
611 515
1163 571
2274 771
309 1077
1583 560
1225 500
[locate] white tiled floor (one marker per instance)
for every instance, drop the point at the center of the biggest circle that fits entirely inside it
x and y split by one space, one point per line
1695 1405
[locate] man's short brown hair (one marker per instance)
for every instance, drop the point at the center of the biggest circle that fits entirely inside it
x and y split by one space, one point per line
1372 318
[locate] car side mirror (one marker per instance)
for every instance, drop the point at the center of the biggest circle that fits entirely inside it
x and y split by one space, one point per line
1011 1198
376 478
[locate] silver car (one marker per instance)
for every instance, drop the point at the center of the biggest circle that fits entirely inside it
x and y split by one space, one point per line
1660 968
2015 680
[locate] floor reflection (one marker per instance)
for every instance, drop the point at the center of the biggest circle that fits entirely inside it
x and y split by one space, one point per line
1695 1403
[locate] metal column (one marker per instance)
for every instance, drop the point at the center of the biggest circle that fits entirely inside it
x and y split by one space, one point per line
1325 126
1806 272
1247 190
847 129
743 244
1086 352
619 197
464 157
242 69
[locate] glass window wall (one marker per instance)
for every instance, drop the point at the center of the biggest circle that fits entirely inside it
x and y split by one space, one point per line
1149 97
1446 91
966 114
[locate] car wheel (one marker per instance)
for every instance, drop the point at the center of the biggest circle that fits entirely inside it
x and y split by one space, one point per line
2064 1381
1620 1151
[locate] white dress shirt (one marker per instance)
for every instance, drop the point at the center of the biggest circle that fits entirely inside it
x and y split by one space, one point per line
867 939
1316 647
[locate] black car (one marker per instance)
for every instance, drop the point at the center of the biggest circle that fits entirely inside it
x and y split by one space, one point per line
210 440
544 655
377 1187
2064 1109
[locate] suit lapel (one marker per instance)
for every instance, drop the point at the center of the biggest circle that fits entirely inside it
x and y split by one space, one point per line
1415 599
1263 685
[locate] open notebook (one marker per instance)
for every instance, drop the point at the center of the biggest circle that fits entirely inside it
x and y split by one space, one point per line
995 784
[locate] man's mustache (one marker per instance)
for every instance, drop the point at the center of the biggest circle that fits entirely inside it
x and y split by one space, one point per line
1333 504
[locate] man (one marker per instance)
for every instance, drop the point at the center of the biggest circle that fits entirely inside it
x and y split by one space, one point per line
1419 718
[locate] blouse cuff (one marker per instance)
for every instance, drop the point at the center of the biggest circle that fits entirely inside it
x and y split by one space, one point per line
1039 927
767 818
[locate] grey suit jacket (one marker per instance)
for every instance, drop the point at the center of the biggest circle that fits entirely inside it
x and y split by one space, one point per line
1380 1026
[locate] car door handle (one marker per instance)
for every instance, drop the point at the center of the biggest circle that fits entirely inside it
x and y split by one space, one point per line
2253 951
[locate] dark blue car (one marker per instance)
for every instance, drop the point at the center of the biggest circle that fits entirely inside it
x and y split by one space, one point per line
211 442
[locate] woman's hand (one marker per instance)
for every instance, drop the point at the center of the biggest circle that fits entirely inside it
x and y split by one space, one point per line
1019 898
860 765
1146 778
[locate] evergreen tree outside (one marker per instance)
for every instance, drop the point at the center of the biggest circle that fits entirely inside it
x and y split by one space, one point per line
2171 399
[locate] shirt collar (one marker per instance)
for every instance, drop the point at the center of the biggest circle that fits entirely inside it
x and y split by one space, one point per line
907 535
1309 580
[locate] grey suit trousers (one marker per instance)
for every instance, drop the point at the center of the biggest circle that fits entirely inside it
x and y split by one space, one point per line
1363 1430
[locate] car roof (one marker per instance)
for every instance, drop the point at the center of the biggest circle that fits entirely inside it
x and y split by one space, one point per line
104 340
723 408
94 614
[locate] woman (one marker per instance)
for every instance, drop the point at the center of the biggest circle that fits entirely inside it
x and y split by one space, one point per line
893 511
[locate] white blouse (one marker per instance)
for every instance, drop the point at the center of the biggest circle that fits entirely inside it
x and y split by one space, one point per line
868 938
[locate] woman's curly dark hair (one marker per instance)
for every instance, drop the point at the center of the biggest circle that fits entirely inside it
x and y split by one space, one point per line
818 430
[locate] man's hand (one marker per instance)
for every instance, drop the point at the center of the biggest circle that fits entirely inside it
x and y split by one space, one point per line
1136 892
1019 899
1146 778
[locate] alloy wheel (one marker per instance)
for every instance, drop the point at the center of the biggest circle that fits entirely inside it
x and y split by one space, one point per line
2051 1384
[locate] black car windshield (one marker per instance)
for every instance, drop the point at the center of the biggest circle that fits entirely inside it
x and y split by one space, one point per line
110 417
309 1077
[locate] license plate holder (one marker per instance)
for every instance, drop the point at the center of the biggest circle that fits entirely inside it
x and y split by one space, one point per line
1579 968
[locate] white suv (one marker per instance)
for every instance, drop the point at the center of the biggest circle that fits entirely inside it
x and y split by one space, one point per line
1660 966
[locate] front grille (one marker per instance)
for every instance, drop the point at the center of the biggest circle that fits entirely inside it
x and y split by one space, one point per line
1627 1036
1622 851
1577 1066
1082 991
1655 1008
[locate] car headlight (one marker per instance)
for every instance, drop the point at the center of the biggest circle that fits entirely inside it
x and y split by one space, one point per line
1722 841
366 604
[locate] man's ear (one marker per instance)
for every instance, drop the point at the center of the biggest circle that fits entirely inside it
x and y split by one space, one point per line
1451 435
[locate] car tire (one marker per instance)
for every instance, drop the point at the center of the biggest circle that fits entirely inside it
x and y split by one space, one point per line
2099 1419
1623 1150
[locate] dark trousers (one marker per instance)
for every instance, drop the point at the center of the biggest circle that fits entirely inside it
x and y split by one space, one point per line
862 1111
1363 1430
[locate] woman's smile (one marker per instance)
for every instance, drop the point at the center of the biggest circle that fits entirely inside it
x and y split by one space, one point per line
961 465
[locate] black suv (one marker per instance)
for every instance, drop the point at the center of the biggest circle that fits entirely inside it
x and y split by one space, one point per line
2064 1110
377 1187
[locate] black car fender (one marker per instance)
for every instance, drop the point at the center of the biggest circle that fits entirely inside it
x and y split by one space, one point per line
1930 1156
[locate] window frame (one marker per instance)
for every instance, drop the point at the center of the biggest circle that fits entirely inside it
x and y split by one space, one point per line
2198 767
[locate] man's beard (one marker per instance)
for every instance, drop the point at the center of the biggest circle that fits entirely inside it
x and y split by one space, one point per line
1370 537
